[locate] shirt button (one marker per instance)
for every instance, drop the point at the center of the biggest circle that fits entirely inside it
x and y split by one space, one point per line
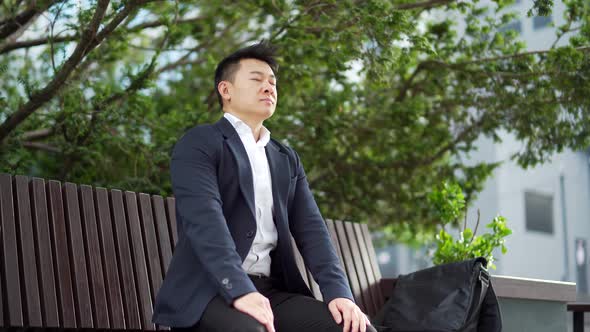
258 213
250 234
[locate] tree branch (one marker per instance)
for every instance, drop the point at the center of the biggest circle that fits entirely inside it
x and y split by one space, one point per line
37 134
34 42
89 39
424 4
184 60
404 90
42 41
9 26
41 146
157 23
510 56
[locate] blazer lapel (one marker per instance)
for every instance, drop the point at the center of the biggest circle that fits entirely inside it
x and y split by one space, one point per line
279 172
244 170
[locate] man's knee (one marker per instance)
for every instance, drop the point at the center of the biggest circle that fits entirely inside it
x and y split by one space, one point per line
250 326
338 328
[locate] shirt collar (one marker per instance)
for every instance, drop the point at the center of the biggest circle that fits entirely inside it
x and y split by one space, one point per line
245 132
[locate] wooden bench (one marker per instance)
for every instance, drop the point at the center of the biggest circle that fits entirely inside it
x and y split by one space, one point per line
74 256
578 309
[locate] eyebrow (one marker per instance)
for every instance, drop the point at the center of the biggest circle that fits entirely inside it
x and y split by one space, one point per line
261 73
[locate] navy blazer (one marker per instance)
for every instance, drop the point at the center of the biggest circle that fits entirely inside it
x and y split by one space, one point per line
214 191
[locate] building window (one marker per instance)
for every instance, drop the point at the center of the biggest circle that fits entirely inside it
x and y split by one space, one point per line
512 26
539 212
540 22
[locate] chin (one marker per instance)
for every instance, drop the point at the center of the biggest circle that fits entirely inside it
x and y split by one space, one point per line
266 113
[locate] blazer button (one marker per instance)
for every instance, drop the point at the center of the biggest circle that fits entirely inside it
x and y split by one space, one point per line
250 234
225 281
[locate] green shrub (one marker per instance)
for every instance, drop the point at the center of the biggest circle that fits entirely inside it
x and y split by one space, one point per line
449 203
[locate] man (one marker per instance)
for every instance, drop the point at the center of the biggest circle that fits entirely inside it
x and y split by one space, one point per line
240 196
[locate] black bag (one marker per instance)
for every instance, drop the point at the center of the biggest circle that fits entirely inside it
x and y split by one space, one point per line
455 297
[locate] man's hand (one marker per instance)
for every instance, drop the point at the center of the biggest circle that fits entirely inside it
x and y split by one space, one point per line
354 319
257 306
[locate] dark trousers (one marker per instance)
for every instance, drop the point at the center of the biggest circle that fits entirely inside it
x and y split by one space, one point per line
292 313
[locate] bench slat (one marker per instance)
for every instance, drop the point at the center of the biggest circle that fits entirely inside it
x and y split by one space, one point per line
49 296
151 243
117 261
67 309
29 259
97 283
171 212
131 306
349 265
367 270
78 256
374 265
10 270
334 238
578 307
139 260
110 262
359 268
165 247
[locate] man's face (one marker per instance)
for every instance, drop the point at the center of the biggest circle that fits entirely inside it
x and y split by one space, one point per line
253 93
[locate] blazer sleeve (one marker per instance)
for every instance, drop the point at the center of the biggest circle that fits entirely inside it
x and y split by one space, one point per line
198 203
313 240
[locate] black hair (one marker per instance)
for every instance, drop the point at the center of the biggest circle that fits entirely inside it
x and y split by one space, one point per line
227 68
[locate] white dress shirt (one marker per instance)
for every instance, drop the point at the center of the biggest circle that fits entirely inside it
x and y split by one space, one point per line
258 259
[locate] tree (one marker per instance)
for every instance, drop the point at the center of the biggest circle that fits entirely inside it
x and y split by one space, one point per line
98 92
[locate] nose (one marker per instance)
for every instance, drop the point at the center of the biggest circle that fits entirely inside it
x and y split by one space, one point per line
269 88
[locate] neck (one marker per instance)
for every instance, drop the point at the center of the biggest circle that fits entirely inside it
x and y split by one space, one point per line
254 124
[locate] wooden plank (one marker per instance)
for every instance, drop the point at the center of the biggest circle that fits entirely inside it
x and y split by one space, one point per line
171 211
151 243
11 263
126 275
378 290
164 238
359 268
373 293
578 307
65 289
29 274
139 260
110 262
300 263
349 265
334 238
78 257
578 324
371 249
94 260
44 245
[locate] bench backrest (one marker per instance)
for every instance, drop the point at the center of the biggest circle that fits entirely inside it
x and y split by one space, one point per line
74 256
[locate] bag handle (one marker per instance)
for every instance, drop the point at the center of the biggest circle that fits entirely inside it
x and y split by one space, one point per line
484 278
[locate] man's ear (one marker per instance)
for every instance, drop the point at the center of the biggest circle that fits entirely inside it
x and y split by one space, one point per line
224 88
